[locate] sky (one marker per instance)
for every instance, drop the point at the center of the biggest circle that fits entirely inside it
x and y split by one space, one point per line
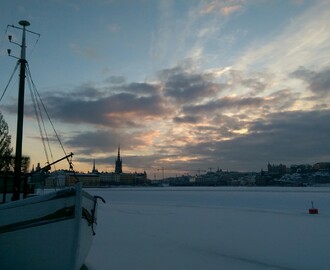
180 86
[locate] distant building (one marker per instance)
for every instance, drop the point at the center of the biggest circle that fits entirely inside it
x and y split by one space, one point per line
322 166
276 169
302 168
57 179
87 179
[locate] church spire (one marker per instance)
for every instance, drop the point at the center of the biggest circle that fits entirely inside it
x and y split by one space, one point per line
118 165
94 170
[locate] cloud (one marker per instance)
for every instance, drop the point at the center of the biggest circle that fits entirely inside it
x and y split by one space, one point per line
140 88
113 28
224 7
102 141
303 41
101 145
86 91
116 106
247 105
186 87
318 82
99 141
176 39
226 103
115 80
115 110
180 95
187 118
85 51
288 137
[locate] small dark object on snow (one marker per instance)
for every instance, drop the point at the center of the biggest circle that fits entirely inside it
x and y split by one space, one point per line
313 210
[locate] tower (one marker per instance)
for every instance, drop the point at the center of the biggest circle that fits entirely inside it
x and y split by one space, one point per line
94 170
118 165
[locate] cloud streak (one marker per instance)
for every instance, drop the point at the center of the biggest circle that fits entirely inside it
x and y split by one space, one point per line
224 7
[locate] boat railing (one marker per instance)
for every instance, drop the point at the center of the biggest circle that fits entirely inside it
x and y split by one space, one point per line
7 186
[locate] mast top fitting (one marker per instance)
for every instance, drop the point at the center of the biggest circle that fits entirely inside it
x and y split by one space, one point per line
24 23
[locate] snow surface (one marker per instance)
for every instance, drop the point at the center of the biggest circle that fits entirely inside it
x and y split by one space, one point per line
211 228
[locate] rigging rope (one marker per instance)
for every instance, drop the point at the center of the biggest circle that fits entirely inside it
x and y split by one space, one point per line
35 44
3 38
46 112
11 77
39 108
39 118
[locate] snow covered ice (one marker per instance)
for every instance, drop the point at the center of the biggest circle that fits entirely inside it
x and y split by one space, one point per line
211 228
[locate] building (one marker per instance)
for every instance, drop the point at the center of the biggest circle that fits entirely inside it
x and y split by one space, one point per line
276 169
324 166
97 179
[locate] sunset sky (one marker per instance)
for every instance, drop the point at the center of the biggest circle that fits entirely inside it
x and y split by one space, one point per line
181 85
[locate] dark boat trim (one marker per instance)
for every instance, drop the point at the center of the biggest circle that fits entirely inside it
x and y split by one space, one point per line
59 215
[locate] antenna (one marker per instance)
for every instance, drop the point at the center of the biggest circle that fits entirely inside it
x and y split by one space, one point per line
24 24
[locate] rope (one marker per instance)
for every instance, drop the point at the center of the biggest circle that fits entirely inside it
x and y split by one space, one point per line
38 109
35 44
3 38
49 119
11 77
46 112
39 118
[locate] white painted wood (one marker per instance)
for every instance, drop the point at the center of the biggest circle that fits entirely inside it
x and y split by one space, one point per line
59 244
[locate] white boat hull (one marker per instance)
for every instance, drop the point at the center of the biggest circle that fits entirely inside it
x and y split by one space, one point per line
52 231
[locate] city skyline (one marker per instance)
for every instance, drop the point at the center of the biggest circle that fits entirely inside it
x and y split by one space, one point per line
160 173
223 84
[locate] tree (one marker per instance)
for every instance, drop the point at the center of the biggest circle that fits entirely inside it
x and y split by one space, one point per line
6 150
25 164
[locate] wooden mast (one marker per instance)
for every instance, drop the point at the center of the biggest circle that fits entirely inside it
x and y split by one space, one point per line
20 115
